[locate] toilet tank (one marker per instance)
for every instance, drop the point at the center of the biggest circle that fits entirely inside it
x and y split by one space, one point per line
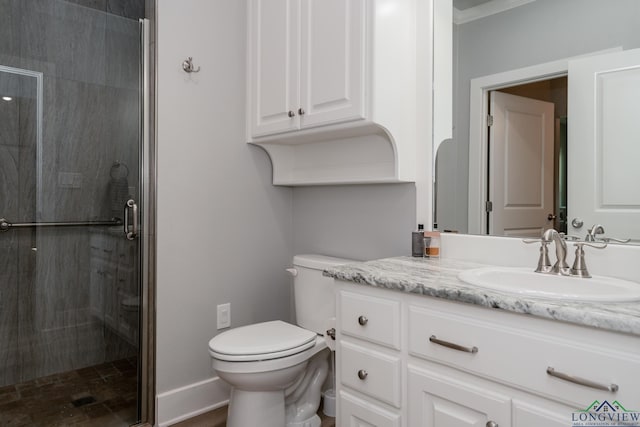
314 293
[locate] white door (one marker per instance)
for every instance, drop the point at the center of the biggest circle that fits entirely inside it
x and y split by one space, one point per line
442 401
520 165
603 147
332 61
273 66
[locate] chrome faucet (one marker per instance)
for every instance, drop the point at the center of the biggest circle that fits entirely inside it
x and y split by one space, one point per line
593 232
561 266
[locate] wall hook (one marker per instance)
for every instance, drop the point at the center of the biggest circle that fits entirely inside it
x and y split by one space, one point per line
188 67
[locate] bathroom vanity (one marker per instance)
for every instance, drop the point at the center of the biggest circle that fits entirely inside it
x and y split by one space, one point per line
418 347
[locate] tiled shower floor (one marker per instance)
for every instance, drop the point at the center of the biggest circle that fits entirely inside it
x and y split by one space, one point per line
98 396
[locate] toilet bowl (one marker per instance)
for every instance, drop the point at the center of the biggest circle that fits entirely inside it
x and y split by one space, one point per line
276 370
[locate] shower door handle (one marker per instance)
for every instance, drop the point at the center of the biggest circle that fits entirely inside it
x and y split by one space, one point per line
131 232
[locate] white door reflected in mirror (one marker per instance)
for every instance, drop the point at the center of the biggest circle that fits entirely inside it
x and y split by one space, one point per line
603 171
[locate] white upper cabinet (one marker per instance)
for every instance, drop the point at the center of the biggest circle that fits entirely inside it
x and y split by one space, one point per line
274 58
332 61
306 64
339 91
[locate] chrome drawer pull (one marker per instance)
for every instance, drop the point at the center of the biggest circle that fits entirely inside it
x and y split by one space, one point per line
577 380
448 344
362 374
362 320
492 424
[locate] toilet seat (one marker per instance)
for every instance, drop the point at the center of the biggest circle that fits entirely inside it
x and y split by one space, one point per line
261 341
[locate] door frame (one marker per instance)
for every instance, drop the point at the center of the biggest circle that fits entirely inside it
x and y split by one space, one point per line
479 138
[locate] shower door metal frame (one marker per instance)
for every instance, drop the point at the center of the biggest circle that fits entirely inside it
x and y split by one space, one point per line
147 236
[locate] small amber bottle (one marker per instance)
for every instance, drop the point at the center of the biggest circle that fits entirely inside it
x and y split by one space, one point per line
432 248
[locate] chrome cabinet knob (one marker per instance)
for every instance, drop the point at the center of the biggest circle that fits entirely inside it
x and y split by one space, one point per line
492 424
291 114
301 111
577 223
362 320
362 374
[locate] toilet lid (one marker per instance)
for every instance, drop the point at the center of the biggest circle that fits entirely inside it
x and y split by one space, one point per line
261 341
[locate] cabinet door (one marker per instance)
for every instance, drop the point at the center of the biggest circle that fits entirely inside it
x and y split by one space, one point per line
332 61
273 66
535 412
441 401
355 412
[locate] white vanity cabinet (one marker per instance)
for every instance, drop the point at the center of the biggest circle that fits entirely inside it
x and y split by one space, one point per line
339 91
458 365
437 399
370 364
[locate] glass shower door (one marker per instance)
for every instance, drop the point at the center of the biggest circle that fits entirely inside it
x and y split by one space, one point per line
70 177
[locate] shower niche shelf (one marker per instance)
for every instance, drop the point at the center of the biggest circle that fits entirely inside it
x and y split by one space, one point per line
340 107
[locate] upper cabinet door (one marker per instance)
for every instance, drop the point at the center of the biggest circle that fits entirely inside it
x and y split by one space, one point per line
273 66
603 129
332 61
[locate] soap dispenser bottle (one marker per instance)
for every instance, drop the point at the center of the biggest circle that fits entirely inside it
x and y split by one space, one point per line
417 242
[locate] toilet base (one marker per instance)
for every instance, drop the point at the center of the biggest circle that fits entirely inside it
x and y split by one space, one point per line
250 408
311 422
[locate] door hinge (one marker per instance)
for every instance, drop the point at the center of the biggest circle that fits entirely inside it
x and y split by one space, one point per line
488 206
489 120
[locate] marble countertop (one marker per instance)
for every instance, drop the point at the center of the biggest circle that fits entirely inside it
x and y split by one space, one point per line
439 278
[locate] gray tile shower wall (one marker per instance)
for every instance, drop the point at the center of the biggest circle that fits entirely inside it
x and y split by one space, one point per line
90 119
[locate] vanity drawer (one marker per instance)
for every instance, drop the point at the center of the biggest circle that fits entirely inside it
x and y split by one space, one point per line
521 358
370 318
371 372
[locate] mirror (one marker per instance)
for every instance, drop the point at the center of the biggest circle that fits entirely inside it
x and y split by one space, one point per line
542 50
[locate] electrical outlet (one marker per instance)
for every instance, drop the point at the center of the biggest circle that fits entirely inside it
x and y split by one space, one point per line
224 315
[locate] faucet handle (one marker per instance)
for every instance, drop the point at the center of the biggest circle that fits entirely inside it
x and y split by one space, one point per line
579 268
597 246
544 263
613 239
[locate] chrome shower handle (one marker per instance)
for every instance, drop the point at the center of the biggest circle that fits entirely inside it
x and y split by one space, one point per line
131 233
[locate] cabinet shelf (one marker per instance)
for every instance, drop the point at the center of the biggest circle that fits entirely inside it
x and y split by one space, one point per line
362 153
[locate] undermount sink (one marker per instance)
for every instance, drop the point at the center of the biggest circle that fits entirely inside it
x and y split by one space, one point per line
526 282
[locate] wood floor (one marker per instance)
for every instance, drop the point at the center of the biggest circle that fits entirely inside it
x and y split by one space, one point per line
218 418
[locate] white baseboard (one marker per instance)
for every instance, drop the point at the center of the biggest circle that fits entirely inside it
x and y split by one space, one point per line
189 401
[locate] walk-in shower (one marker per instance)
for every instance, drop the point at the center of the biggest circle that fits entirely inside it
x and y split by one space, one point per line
74 185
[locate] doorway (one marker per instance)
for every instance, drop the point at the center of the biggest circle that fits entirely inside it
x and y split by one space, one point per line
526 158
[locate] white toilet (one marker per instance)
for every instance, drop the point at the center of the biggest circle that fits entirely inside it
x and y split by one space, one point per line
276 369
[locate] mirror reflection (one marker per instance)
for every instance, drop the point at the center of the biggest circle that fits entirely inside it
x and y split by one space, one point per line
545 126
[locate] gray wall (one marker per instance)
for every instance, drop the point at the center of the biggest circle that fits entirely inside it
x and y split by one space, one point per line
360 222
538 32
224 233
